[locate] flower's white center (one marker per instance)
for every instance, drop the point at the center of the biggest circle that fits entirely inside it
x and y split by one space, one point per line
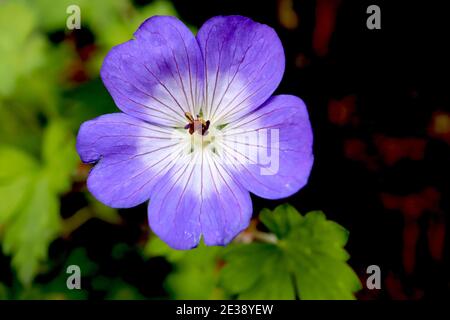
200 134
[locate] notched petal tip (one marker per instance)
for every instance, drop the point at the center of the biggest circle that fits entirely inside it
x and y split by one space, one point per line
149 24
86 150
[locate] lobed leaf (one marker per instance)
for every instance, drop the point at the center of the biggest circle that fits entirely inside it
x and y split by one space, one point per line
308 261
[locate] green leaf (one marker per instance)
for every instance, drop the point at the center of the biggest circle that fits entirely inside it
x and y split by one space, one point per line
39 90
257 271
4 292
195 272
275 282
29 206
115 288
31 230
308 260
56 288
122 29
59 155
12 196
103 212
318 260
14 162
79 101
195 276
281 220
52 14
155 247
16 172
21 49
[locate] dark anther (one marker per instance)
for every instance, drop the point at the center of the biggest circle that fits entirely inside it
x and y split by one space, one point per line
199 125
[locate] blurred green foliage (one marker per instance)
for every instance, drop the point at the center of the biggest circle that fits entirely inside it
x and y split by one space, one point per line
22 50
195 273
29 190
43 101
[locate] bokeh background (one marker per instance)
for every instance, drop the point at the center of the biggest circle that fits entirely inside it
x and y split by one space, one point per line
379 106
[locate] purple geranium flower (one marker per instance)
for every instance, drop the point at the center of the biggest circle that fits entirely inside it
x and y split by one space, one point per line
196 109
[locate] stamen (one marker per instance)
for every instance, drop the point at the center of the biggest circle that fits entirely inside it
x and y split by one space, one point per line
189 116
199 124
